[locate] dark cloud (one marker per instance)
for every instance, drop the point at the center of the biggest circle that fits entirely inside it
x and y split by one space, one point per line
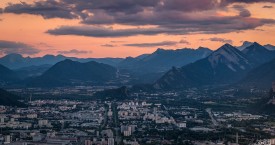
112 6
42 44
175 17
47 9
108 45
184 42
222 40
7 47
209 25
188 5
247 1
74 51
155 44
243 11
107 10
117 41
93 31
268 7
69 9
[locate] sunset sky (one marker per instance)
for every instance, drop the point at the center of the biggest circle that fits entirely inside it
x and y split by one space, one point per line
121 28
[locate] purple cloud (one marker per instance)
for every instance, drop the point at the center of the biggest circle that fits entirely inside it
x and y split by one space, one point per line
8 47
268 7
108 45
222 40
175 17
74 51
155 44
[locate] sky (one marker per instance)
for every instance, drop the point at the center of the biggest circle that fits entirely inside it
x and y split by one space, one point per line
122 28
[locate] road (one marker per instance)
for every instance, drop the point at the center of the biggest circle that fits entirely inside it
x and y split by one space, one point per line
116 123
214 121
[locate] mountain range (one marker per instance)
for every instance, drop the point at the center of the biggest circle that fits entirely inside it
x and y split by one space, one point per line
247 43
145 68
164 69
162 60
258 53
149 67
226 65
17 61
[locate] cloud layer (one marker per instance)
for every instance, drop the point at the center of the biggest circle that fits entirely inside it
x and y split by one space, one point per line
8 47
155 44
74 51
222 40
172 17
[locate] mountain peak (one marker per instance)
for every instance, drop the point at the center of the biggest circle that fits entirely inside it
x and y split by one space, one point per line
13 55
229 56
203 48
270 47
258 53
255 47
226 47
244 45
160 50
256 44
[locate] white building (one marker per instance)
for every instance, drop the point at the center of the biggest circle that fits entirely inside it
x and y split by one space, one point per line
32 116
110 113
127 133
111 141
2 119
88 142
7 139
182 125
43 123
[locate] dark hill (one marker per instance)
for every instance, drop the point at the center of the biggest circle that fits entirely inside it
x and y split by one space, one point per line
8 99
68 72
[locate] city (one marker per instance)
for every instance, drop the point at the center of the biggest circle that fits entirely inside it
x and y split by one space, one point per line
143 118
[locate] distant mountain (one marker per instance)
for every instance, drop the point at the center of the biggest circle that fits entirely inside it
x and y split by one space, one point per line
261 77
149 67
68 72
247 43
270 47
16 61
162 60
244 45
8 99
223 66
7 75
258 53
31 71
